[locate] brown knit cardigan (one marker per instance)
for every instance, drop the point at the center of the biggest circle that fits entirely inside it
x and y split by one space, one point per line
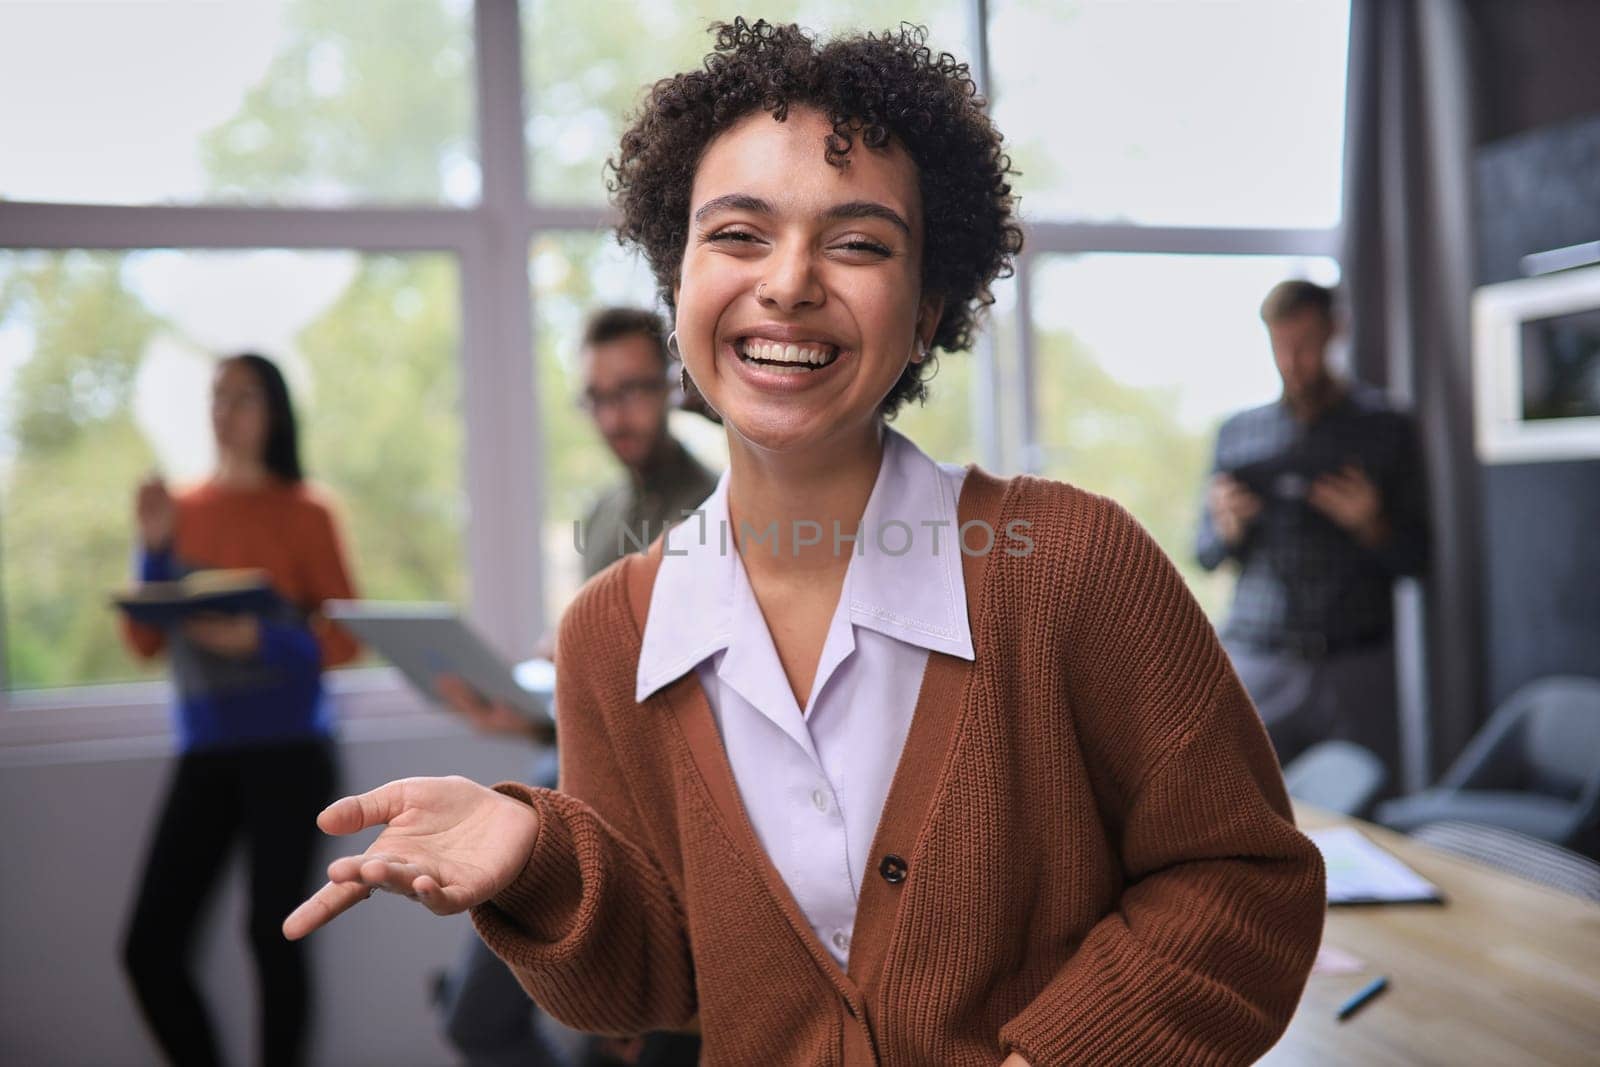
1097 860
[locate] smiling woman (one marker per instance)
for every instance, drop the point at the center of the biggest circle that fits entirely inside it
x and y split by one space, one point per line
799 305
916 765
913 106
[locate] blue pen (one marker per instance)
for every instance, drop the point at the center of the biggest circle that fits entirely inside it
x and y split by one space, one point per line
1368 991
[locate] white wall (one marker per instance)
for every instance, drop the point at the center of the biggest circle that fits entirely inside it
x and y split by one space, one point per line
74 835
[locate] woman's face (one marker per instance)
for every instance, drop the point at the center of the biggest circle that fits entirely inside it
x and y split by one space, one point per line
800 302
239 411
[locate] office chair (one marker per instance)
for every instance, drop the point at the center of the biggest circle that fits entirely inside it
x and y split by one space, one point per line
1518 854
1534 768
1337 776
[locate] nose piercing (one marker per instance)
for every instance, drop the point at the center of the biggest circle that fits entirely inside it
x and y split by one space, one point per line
760 291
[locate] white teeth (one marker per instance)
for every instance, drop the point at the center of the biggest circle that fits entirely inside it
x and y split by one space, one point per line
800 356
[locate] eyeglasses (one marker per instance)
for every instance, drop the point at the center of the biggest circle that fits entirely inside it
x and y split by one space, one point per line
628 394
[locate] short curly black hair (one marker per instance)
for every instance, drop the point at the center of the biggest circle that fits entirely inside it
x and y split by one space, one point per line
881 87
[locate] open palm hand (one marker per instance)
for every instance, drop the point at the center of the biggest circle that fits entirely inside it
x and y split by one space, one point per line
448 843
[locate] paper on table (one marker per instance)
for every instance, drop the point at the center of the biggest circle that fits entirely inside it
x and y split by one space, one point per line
1359 872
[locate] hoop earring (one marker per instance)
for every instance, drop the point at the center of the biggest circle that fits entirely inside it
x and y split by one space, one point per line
685 386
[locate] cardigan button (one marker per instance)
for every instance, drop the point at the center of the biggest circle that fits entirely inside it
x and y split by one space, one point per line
893 869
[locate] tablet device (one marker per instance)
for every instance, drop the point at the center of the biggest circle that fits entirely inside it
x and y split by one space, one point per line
1281 477
427 640
1271 479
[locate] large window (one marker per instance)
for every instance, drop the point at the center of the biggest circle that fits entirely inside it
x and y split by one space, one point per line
106 357
1140 357
105 368
574 273
403 199
589 65
1197 114
1176 161
316 102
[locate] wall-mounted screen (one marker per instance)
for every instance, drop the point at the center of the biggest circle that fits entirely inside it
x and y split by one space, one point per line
1536 349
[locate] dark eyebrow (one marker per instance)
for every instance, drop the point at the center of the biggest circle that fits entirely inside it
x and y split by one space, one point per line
733 202
868 209
854 209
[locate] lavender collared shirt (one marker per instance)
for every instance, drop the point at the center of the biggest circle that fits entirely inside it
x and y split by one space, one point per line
813 780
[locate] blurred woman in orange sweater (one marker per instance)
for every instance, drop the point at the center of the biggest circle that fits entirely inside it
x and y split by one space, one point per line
256 759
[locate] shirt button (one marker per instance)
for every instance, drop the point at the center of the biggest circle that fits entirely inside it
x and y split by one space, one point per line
819 800
893 869
841 941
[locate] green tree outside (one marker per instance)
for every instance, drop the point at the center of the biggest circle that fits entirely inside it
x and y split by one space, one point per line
383 116
75 457
588 67
1127 443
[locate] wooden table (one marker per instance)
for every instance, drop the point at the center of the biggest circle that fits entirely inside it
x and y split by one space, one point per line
1506 972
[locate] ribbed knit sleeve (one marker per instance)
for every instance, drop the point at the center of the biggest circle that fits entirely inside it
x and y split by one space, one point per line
1204 957
591 927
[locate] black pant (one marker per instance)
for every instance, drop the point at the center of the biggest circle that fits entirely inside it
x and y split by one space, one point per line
270 797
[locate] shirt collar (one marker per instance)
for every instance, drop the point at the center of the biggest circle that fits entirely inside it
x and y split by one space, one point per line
907 582
691 604
904 581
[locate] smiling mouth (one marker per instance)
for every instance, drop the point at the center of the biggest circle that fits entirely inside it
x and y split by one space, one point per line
786 358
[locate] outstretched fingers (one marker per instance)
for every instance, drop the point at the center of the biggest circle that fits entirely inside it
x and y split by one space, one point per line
322 907
385 872
377 870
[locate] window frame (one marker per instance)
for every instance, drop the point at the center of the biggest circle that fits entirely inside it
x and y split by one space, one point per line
1045 239
502 464
503 469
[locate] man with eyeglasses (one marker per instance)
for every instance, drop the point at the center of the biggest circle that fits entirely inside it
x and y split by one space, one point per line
627 391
